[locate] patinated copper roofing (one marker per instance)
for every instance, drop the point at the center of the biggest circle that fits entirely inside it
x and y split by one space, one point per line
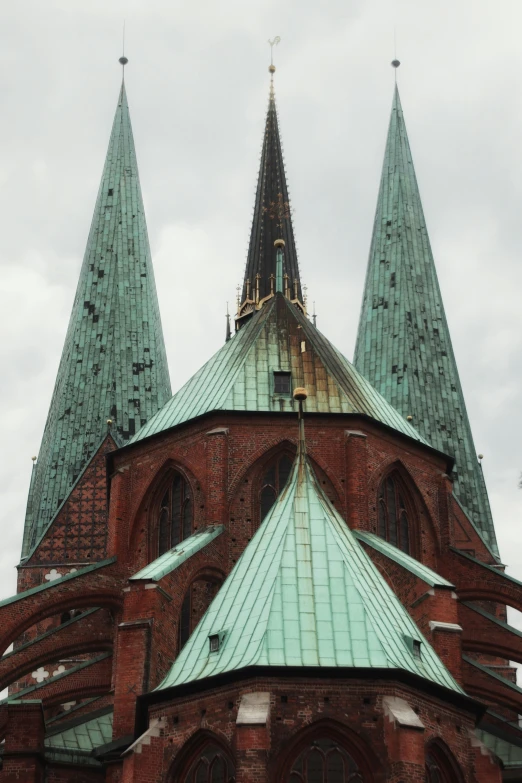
169 561
240 376
113 364
403 343
305 593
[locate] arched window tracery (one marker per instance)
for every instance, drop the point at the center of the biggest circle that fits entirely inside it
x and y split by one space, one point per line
275 475
274 480
440 768
212 765
325 761
175 514
393 519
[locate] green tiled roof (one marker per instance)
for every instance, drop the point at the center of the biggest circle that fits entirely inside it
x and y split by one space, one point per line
271 219
400 557
85 735
509 754
172 559
403 343
305 593
240 376
113 364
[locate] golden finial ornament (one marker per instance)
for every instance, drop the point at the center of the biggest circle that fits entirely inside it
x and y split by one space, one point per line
279 243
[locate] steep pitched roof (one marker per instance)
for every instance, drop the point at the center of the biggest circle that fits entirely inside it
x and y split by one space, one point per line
403 343
272 219
240 376
305 593
113 363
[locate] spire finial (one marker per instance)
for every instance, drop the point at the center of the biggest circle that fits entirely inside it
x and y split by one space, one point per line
395 62
123 60
228 332
271 67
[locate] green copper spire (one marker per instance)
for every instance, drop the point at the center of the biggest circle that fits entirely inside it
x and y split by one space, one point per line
305 593
403 343
113 364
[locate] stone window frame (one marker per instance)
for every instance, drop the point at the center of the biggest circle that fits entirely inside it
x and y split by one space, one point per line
369 765
186 759
401 492
164 486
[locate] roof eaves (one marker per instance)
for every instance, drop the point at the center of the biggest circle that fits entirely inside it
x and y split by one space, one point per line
157 696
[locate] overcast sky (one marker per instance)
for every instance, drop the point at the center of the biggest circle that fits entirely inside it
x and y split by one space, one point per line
197 85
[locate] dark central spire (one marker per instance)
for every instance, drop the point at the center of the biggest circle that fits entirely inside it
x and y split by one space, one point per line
272 221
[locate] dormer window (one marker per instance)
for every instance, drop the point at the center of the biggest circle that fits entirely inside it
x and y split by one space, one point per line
282 383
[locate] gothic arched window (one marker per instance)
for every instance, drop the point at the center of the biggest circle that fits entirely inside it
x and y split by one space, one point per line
440 768
324 761
211 766
393 523
273 482
175 514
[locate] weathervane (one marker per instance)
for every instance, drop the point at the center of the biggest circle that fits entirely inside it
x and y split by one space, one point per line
123 60
273 43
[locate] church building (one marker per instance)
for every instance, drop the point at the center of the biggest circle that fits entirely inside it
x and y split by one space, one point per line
287 570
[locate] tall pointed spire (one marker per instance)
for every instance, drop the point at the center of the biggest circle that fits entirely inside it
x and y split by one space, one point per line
272 221
113 364
403 343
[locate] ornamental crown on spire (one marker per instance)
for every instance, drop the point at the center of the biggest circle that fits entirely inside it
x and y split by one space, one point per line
272 244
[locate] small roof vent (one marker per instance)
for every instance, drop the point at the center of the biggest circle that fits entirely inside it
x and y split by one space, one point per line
414 645
216 641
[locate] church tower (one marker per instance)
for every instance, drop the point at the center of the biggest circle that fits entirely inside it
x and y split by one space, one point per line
287 585
113 374
403 342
